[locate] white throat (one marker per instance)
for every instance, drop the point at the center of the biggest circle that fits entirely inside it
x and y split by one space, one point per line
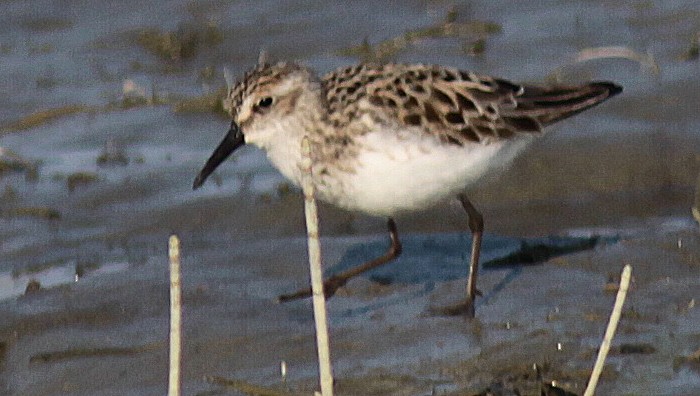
283 147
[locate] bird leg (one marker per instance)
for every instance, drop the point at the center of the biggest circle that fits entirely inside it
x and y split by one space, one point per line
333 283
476 226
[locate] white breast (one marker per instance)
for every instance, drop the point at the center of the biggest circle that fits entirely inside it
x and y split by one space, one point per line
407 172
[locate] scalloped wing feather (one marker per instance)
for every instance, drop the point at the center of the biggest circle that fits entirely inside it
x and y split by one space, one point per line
457 106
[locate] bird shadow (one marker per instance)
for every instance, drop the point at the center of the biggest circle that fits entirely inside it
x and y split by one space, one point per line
428 259
445 257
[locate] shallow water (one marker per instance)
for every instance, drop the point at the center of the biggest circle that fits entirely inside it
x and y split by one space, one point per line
92 52
631 162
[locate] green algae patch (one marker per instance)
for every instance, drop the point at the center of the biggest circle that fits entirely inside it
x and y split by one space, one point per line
10 164
41 49
83 353
693 51
388 48
48 24
41 212
181 44
207 103
43 117
475 48
167 45
78 179
129 102
448 28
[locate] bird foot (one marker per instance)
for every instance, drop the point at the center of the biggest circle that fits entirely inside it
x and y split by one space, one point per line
330 286
465 308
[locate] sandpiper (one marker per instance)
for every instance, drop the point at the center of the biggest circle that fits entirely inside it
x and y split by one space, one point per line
393 138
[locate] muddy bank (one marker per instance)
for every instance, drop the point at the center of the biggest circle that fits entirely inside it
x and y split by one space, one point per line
107 334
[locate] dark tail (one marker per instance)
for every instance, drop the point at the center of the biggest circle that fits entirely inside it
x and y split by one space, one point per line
549 105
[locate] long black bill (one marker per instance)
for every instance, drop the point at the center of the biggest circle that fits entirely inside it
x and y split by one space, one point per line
232 141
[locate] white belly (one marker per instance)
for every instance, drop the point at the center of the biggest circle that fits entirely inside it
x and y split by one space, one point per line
397 174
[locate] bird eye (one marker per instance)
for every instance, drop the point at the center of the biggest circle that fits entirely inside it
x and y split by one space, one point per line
265 102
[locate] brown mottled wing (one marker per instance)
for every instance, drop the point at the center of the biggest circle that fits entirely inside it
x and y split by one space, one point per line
457 106
346 88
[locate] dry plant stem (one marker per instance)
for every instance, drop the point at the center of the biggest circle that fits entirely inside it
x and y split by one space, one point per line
336 281
175 316
476 226
319 298
618 52
645 60
696 205
610 331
